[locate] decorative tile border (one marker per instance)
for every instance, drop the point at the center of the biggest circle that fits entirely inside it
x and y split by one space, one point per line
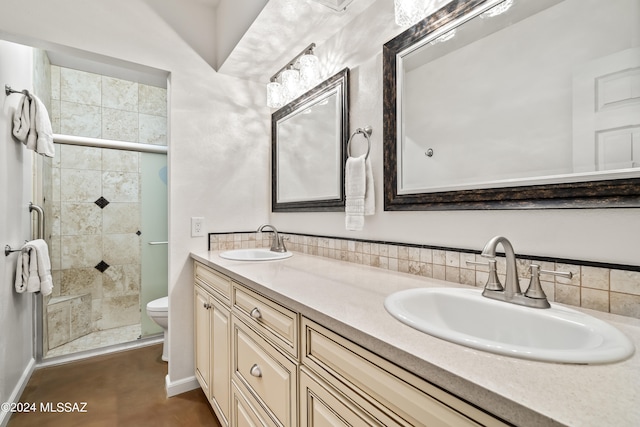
603 287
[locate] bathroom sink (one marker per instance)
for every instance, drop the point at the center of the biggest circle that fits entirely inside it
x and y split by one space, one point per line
465 317
260 254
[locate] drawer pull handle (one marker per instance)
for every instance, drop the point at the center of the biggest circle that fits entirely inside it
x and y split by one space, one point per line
255 370
255 313
207 306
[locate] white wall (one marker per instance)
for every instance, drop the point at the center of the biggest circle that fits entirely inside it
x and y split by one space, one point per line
218 125
603 235
16 342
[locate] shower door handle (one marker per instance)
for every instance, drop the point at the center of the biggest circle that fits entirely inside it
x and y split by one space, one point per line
158 243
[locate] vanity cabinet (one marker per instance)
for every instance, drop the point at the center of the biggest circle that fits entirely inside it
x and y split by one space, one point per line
284 369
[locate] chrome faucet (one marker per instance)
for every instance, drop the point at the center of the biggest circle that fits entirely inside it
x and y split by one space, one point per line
533 297
277 243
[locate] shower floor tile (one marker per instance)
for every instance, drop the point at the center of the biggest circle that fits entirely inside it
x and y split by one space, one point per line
98 339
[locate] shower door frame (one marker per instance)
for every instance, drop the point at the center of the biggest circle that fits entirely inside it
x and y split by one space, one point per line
38 305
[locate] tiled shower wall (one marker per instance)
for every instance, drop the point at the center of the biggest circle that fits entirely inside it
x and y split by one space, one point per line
94 200
611 289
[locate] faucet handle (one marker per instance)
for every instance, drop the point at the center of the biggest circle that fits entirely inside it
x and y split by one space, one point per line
493 283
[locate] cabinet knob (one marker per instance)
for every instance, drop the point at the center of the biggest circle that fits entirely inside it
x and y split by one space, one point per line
255 370
207 305
255 313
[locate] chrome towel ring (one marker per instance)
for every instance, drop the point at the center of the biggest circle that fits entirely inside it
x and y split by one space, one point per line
367 131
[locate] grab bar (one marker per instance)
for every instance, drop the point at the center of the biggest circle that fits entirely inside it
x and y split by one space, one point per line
40 212
158 243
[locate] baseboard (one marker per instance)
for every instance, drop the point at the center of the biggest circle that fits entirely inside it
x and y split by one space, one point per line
17 391
181 386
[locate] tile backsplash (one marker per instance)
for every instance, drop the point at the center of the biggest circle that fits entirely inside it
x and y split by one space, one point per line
602 287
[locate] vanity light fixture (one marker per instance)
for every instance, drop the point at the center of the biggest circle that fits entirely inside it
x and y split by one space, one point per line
498 9
408 12
299 75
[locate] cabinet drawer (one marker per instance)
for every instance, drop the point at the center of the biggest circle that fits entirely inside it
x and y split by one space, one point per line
217 283
323 406
278 323
268 374
246 412
409 399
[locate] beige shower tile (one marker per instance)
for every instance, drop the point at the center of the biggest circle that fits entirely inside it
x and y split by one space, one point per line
80 218
152 130
77 157
80 185
119 160
452 274
54 115
152 100
121 218
426 255
119 311
119 94
595 277
121 249
439 257
119 280
78 281
53 220
58 328
80 321
80 120
55 82
119 125
467 276
80 87
625 281
81 251
120 186
439 272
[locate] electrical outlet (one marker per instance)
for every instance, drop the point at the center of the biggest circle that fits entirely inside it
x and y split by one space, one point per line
197 226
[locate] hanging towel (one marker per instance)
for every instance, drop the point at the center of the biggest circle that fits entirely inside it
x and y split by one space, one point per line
44 143
21 120
32 127
359 192
33 270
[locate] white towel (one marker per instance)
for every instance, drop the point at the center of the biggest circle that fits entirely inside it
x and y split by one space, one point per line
33 269
22 120
32 127
359 192
44 144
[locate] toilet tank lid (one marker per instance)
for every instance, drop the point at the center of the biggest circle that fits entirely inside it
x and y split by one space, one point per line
159 303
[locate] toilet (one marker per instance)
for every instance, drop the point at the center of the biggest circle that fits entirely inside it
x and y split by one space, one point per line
158 311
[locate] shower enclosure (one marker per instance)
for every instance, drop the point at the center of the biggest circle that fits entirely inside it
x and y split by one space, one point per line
105 199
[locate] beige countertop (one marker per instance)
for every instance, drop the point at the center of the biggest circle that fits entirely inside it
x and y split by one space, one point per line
348 298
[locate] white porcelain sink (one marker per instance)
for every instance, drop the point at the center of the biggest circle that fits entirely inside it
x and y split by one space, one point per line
465 317
259 254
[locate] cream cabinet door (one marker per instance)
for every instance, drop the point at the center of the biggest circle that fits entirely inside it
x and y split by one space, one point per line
212 345
220 340
202 341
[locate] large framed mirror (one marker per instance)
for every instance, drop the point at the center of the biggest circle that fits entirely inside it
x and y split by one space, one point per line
308 139
514 104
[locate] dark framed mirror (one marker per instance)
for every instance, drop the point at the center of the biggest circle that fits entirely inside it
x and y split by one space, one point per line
308 138
514 105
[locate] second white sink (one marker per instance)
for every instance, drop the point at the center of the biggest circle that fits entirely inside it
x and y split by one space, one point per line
258 254
464 316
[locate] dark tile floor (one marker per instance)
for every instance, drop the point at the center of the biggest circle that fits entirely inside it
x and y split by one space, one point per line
121 389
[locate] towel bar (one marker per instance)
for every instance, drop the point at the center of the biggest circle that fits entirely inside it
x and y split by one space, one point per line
8 249
367 131
8 91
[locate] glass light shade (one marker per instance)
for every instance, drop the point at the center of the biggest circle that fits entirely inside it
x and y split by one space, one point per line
498 9
275 98
290 83
309 71
408 12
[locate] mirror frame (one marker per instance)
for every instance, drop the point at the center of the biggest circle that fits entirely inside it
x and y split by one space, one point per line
339 80
611 193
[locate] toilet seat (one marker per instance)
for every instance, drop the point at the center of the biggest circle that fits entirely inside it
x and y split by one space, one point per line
160 305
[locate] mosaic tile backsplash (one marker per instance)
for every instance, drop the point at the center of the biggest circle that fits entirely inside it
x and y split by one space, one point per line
605 289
